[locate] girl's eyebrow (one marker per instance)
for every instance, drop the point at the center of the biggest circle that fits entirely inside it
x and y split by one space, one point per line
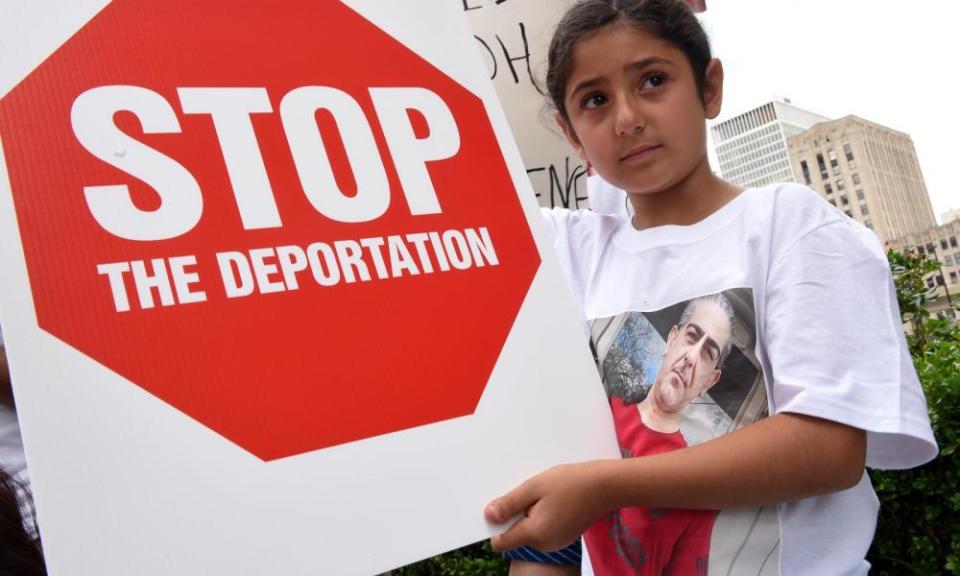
646 62
638 65
584 84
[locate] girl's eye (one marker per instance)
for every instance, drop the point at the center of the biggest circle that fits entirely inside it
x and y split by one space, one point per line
653 81
594 101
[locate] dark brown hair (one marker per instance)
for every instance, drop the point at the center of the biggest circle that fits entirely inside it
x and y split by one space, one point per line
669 20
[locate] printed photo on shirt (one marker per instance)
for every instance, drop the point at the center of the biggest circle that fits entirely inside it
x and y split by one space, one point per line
677 377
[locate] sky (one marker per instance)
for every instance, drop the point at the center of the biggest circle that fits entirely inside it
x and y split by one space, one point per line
891 62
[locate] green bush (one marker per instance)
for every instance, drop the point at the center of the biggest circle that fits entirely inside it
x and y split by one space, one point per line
474 560
919 525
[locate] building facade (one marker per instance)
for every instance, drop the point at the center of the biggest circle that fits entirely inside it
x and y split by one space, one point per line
869 171
941 243
752 147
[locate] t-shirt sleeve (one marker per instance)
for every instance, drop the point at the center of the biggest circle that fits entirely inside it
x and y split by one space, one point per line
574 236
836 345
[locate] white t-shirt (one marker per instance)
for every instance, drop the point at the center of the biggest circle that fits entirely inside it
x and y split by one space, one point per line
815 330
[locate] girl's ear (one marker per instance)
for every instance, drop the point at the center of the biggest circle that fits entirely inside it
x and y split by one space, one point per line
571 136
713 89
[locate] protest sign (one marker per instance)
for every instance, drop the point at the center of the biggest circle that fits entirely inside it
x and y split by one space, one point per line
512 38
275 291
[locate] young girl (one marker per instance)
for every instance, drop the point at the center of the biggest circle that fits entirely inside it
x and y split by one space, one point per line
749 340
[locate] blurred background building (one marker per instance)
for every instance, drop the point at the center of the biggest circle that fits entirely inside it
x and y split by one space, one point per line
752 147
869 171
940 243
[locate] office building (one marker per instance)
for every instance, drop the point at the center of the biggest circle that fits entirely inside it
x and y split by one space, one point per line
752 147
869 171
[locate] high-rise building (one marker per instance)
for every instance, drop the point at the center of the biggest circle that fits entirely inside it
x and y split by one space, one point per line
869 171
752 147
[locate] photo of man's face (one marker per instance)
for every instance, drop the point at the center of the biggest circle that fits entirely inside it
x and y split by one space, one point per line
692 355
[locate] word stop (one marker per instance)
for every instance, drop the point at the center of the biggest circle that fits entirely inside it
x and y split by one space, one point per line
181 200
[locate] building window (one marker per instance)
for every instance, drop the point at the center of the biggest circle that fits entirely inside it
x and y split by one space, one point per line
868 223
828 188
863 209
856 179
953 241
833 158
943 243
948 261
859 194
848 151
848 213
931 283
832 201
953 277
822 166
920 250
806 172
844 200
840 185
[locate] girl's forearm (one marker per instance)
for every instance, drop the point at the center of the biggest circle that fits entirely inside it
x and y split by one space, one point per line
781 458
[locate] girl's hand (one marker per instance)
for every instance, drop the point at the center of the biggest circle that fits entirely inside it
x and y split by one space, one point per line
557 507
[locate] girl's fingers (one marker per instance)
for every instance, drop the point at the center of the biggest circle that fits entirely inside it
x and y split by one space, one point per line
510 504
515 537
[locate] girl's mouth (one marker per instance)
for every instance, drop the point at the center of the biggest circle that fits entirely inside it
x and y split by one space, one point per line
639 152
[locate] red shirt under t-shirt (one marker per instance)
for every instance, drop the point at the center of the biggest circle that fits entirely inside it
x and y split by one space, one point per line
646 541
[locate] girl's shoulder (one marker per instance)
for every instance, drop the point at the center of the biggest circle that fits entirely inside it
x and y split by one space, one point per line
792 216
580 237
792 205
580 224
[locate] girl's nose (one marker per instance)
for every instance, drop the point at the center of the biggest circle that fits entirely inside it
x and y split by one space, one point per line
630 119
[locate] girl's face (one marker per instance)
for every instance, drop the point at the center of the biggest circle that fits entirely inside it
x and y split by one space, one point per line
634 109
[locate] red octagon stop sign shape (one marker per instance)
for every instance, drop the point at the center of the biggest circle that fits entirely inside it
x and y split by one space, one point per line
275 218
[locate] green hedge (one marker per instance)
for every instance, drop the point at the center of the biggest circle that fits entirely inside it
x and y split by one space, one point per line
474 560
918 531
919 524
